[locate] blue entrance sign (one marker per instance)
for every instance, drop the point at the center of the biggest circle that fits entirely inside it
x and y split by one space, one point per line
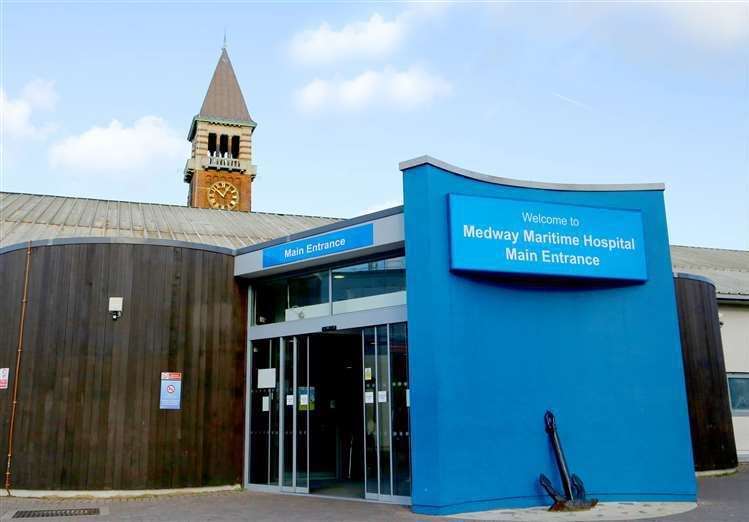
318 246
534 238
171 390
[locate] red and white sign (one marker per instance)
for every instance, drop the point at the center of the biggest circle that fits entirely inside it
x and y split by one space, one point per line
171 376
4 373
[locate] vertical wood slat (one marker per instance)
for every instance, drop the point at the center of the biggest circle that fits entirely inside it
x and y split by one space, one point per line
88 414
11 285
713 444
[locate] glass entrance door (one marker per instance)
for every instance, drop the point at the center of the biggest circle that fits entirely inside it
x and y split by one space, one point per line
387 436
295 417
283 398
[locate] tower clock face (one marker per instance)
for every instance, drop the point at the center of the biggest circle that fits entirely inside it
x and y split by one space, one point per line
223 195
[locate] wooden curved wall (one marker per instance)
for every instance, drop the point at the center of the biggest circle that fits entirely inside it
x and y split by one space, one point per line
713 443
88 415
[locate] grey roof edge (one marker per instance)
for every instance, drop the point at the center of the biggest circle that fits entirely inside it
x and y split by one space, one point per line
116 241
712 248
344 223
739 299
695 277
170 205
201 246
429 160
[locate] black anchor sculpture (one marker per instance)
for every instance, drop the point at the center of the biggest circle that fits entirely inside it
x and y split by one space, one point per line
574 489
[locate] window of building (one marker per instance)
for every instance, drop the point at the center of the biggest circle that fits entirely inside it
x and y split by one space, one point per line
738 390
363 286
212 144
235 146
374 284
289 299
224 145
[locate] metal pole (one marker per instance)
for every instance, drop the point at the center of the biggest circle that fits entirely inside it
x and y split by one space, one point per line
17 371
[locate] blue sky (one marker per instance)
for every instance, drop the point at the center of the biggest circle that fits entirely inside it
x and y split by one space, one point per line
97 99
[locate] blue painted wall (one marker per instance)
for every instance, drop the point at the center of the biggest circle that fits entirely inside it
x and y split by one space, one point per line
489 354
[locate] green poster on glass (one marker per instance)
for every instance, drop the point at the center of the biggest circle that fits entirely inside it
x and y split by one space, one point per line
306 398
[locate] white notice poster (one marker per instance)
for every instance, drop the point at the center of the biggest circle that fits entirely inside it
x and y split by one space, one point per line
266 378
369 397
303 400
266 403
382 396
367 374
289 400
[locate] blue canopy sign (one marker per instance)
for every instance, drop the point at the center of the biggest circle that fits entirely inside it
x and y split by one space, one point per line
536 238
318 246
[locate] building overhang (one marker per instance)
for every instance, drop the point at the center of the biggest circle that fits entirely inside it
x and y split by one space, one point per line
387 235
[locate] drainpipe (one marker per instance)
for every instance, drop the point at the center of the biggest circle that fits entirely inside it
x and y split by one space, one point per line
18 366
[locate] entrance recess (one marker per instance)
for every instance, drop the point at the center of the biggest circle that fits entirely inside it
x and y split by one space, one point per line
329 414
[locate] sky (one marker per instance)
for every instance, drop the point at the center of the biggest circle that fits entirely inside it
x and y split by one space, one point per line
97 98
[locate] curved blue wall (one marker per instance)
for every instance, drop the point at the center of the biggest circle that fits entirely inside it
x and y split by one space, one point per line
489 354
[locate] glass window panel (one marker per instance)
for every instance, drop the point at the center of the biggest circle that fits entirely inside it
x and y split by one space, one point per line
308 296
400 410
264 413
288 299
271 299
370 413
383 409
288 412
302 407
374 284
738 386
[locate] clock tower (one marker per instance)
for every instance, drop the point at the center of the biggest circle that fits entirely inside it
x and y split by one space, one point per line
220 169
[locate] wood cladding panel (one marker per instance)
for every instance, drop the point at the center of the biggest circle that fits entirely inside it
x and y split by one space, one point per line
11 292
713 443
88 414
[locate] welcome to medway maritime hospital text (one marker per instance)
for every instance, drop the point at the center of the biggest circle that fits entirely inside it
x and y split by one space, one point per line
547 255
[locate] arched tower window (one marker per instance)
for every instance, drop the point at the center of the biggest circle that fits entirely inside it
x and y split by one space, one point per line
224 145
235 146
212 144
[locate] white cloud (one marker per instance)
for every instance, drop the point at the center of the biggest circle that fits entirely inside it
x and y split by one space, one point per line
406 89
40 94
374 38
117 148
715 25
16 113
313 95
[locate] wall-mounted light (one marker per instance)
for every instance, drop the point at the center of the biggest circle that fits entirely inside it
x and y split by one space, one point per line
115 307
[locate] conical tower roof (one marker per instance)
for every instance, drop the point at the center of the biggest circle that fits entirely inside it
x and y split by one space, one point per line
224 100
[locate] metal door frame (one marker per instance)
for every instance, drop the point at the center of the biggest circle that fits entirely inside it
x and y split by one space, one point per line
395 499
291 341
294 345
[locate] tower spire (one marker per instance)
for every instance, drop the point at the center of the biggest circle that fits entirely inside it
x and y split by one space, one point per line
220 169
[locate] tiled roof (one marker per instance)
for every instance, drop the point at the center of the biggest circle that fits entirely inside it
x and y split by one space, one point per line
224 100
30 217
728 269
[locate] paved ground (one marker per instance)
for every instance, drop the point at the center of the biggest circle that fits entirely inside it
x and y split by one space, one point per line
722 499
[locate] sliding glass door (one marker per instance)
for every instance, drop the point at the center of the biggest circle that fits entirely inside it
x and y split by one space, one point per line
387 440
295 418
279 414
282 398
